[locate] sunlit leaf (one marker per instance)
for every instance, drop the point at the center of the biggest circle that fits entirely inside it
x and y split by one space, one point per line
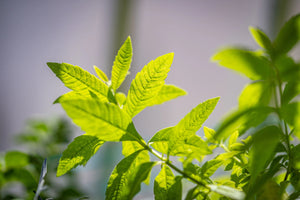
210 167
167 93
167 186
121 64
147 84
255 94
78 153
121 98
101 74
251 64
261 39
228 191
291 90
288 36
288 69
232 139
79 80
106 121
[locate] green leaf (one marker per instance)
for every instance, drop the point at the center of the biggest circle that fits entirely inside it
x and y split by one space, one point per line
167 186
288 69
121 64
261 39
288 36
210 167
210 134
78 153
79 80
228 191
106 121
291 90
126 178
147 84
255 94
251 64
263 149
296 157
16 159
182 139
242 120
198 193
233 138
167 93
74 96
121 98
101 74
291 113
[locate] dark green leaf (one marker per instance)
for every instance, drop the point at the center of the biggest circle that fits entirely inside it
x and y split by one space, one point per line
167 186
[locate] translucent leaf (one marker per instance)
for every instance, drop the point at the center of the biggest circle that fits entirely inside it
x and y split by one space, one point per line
121 64
106 121
288 36
78 153
16 159
79 80
288 69
147 84
161 139
126 178
291 113
255 94
209 134
291 90
74 96
233 138
166 186
242 120
121 98
101 74
263 149
261 39
251 64
210 167
228 191
167 93
198 193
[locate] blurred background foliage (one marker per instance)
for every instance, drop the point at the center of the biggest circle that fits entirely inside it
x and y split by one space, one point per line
20 169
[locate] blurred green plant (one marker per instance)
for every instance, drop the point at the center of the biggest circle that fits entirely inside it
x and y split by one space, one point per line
20 169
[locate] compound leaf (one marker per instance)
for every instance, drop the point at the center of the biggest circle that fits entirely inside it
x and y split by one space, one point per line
126 178
79 80
121 64
104 120
251 64
147 84
78 153
166 185
288 36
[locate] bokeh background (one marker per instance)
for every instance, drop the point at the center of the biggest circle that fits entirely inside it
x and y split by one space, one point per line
87 33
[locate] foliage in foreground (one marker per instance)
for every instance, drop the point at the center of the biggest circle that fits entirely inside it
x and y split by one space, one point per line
259 140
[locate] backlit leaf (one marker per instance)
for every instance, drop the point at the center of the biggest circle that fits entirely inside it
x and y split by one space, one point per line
167 93
147 84
261 38
101 74
121 64
288 36
78 153
251 64
79 80
255 94
167 186
291 113
106 121
291 90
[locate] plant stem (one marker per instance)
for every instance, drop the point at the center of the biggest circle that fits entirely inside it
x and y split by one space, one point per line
167 161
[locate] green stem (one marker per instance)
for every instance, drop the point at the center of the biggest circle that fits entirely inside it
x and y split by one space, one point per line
167 161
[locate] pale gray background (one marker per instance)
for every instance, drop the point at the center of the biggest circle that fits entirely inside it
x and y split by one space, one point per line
88 33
